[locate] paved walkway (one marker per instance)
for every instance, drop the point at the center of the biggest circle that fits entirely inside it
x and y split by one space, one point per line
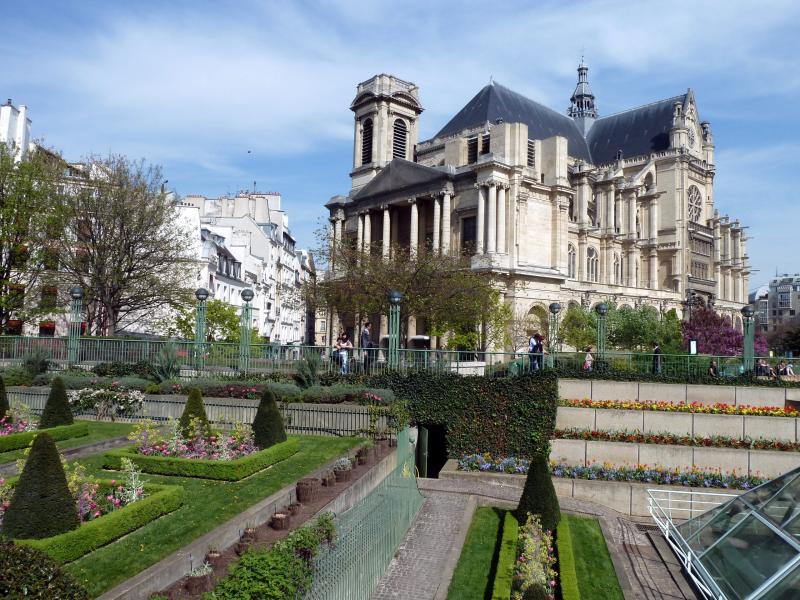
424 563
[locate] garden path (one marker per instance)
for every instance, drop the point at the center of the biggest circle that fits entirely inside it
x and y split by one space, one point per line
10 468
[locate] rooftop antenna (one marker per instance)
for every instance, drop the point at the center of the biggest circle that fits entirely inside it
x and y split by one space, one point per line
254 186
491 80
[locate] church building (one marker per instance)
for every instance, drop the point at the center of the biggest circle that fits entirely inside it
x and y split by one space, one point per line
573 207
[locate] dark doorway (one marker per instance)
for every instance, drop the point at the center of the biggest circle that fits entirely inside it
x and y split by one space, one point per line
431 449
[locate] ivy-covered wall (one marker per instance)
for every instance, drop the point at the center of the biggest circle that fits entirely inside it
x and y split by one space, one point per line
513 416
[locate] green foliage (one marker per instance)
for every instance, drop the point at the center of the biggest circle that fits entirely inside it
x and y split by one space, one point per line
281 572
28 573
506 558
566 561
167 364
194 409
512 416
222 322
578 328
56 411
66 547
142 369
16 376
337 394
42 505
268 428
36 362
229 470
78 382
4 407
539 495
308 371
15 441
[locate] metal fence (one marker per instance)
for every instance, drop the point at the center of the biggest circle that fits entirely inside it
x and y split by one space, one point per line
221 358
338 420
369 534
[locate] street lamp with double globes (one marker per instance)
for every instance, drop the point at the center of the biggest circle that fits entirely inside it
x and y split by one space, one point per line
200 327
246 330
73 341
748 341
552 330
601 310
395 297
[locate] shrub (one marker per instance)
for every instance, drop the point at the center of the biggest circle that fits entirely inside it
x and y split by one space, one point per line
534 576
79 382
3 399
194 409
308 371
56 411
142 369
268 427
506 559
42 505
225 470
23 439
166 365
36 362
16 376
28 573
539 495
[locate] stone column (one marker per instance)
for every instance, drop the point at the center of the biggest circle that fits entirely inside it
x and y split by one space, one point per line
501 220
437 218
630 275
387 231
414 235
360 235
491 242
582 247
584 195
617 224
480 248
653 268
632 215
446 222
367 232
716 258
652 228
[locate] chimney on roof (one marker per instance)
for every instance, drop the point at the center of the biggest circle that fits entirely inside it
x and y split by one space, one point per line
8 102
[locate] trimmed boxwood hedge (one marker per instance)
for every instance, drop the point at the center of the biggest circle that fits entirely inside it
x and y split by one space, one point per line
513 416
604 373
568 576
230 470
69 546
15 441
507 558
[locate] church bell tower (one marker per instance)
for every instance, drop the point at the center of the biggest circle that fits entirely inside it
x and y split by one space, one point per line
386 113
582 108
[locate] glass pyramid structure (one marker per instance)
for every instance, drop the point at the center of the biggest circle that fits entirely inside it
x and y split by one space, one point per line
749 547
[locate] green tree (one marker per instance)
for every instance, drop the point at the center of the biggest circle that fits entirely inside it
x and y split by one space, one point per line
29 232
578 328
4 407
539 495
195 411
268 428
56 411
42 505
223 323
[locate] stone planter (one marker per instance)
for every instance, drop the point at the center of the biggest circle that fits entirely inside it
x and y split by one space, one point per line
342 475
328 479
382 443
294 508
241 547
280 521
307 489
214 559
199 585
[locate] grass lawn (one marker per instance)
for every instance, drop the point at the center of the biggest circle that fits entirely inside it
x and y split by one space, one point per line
208 504
98 431
474 575
594 572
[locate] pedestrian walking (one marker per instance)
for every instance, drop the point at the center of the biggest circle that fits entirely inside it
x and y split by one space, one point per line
344 345
657 359
588 360
366 346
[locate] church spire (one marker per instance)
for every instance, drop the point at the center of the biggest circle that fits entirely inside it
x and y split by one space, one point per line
582 108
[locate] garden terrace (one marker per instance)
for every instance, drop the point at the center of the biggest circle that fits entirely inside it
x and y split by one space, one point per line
17 441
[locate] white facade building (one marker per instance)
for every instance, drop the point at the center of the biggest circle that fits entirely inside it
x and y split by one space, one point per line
15 128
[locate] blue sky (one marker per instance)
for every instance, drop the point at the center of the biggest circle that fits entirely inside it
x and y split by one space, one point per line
194 85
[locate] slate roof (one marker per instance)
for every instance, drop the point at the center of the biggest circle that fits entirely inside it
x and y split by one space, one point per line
637 131
400 175
498 102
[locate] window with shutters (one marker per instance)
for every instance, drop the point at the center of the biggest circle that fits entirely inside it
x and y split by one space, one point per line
399 142
531 153
472 150
485 143
366 142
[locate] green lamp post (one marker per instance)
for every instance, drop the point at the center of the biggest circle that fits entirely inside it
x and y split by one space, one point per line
200 328
748 343
244 338
395 297
601 310
552 330
73 341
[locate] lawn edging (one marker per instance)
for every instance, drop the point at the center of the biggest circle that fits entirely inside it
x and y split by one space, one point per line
72 545
230 470
501 590
17 441
568 577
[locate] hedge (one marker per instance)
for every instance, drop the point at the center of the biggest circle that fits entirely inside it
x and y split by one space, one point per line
66 547
230 470
513 416
610 374
568 576
28 573
15 441
506 559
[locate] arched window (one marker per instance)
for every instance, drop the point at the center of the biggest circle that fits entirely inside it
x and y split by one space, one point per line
617 270
366 142
400 139
592 270
571 261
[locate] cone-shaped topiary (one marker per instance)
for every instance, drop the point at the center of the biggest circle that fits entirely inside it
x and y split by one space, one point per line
539 495
194 409
268 427
42 505
4 408
29 573
56 411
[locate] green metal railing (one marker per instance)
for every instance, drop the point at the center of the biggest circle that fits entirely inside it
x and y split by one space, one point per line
368 535
226 358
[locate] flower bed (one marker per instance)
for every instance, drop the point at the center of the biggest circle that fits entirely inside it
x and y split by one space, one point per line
693 407
15 441
9 427
113 401
227 470
199 445
671 439
535 562
637 474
